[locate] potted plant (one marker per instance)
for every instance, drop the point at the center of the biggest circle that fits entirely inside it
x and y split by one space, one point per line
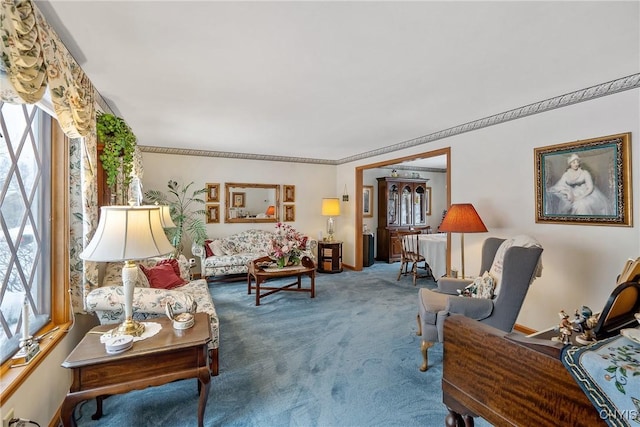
186 212
119 146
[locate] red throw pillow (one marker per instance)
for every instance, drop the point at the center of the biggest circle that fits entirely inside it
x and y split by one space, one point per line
162 276
173 263
207 250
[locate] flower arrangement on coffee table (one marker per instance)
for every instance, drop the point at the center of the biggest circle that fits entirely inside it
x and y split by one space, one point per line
287 245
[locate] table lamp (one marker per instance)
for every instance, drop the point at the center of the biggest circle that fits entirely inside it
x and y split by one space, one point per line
271 210
128 233
330 208
165 217
462 218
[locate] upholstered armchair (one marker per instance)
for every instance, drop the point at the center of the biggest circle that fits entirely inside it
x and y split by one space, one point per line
517 267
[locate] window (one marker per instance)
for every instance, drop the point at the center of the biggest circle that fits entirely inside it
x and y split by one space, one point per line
25 222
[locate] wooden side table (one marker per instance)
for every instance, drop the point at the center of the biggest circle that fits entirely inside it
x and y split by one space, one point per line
168 356
329 257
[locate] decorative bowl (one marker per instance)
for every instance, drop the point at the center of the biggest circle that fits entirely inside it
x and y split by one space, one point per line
183 321
118 344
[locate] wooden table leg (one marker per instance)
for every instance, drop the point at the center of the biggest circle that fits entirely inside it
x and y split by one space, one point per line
98 413
257 291
205 382
66 411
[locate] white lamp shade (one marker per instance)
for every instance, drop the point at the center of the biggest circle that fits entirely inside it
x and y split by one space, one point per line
128 233
165 217
330 207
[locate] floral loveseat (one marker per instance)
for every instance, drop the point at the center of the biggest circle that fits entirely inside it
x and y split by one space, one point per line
107 301
230 255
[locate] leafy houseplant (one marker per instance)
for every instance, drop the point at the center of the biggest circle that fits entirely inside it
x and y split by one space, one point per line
119 146
188 219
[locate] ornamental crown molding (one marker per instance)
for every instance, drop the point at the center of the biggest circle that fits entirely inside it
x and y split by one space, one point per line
608 88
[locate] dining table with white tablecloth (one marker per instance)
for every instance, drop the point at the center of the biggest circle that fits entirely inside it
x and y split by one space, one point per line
434 249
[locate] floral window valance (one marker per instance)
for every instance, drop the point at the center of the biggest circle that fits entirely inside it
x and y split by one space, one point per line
33 57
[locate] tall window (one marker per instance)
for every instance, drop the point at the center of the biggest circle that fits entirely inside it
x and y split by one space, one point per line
25 214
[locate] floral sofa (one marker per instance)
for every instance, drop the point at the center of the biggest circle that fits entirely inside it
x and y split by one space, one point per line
107 301
230 255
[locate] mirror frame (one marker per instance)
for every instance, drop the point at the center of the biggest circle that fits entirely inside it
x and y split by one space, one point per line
240 185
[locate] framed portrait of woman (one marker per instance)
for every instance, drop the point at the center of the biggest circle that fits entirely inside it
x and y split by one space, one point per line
585 182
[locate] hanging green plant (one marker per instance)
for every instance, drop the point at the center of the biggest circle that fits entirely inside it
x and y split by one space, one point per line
119 146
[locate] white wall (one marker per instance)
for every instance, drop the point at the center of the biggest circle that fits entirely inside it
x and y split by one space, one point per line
312 183
493 168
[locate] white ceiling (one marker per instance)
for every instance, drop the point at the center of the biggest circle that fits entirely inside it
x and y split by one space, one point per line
330 80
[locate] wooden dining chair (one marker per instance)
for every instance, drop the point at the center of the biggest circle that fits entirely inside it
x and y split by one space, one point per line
410 245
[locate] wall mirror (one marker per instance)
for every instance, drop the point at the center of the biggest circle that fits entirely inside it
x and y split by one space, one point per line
251 202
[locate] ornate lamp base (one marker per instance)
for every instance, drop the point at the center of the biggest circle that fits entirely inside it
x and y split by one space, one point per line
129 327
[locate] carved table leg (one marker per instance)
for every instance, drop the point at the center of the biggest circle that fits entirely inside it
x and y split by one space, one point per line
468 420
98 414
426 345
454 419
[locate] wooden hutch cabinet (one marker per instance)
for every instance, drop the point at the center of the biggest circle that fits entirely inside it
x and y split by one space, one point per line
402 205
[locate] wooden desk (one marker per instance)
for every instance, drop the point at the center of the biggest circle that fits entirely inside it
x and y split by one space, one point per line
167 356
261 275
509 380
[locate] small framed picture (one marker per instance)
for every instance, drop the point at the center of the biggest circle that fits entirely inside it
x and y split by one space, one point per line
213 214
367 201
238 199
213 192
585 182
289 213
289 193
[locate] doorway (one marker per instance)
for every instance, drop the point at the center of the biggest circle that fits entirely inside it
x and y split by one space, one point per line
359 171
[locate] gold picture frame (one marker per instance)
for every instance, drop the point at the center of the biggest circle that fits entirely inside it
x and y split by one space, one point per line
289 193
367 201
213 214
213 192
585 182
428 200
237 199
289 213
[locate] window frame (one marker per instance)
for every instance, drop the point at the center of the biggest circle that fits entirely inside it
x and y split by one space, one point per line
12 378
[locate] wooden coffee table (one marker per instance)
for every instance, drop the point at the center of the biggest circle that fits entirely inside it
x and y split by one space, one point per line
261 275
168 356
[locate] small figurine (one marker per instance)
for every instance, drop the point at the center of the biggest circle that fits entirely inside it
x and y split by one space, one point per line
584 323
564 328
394 173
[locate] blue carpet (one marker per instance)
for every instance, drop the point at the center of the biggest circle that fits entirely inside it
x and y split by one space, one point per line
348 357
